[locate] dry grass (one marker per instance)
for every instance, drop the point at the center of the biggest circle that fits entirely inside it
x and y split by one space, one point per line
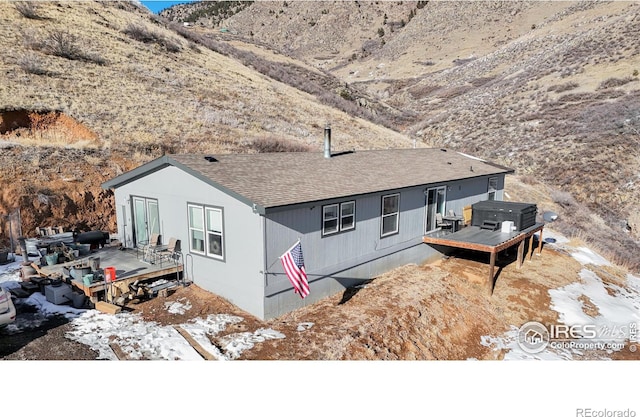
186 100
264 144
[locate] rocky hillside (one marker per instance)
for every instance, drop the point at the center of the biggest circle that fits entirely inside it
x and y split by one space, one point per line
92 89
549 88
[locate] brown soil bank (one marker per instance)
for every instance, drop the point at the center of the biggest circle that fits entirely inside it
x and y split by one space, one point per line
24 125
57 186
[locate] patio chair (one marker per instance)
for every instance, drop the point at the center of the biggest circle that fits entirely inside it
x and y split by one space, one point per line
169 252
441 223
146 249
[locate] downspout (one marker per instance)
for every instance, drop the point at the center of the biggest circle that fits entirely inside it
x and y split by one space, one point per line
264 260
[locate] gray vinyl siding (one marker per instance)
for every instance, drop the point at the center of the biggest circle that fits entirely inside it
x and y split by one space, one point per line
466 192
345 259
239 277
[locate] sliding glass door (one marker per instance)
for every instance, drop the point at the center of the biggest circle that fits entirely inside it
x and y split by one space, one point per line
436 199
146 219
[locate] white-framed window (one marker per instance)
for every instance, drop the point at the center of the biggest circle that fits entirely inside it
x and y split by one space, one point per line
389 224
196 229
206 231
338 217
492 188
347 216
215 242
330 219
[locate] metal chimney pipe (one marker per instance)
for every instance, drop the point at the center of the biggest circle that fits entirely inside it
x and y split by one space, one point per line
327 141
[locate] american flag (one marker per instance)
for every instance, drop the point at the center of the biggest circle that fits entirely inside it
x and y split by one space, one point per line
293 264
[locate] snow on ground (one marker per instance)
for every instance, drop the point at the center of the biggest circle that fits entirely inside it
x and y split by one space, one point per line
586 256
139 339
611 311
176 307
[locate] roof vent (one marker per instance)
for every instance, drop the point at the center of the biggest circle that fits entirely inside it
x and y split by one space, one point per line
210 158
327 141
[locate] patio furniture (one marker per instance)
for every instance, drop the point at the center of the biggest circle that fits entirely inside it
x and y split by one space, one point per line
146 250
170 252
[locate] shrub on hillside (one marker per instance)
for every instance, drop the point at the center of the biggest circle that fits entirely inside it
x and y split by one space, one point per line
614 82
563 198
28 9
140 33
563 87
265 144
421 91
143 34
63 44
32 64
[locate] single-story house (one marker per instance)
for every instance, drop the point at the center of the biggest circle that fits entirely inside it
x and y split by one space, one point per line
357 214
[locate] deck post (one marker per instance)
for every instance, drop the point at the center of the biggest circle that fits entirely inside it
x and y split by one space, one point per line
520 253
531 248
540 243
492 264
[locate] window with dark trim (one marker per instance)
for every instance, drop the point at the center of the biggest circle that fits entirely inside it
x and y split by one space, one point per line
206 232
389 224
338 217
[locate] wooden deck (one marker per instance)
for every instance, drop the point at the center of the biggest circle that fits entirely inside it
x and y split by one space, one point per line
129 268
492 242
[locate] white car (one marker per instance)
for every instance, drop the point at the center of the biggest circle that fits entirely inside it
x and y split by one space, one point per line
7 309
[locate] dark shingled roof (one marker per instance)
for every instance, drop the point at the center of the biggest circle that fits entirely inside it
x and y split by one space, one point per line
280 179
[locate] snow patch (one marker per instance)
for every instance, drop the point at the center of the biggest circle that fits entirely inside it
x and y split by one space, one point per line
586 256
612 309
177 307
616 306
235 344
304 326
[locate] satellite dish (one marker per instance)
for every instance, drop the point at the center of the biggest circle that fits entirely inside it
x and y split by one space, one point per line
549 216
